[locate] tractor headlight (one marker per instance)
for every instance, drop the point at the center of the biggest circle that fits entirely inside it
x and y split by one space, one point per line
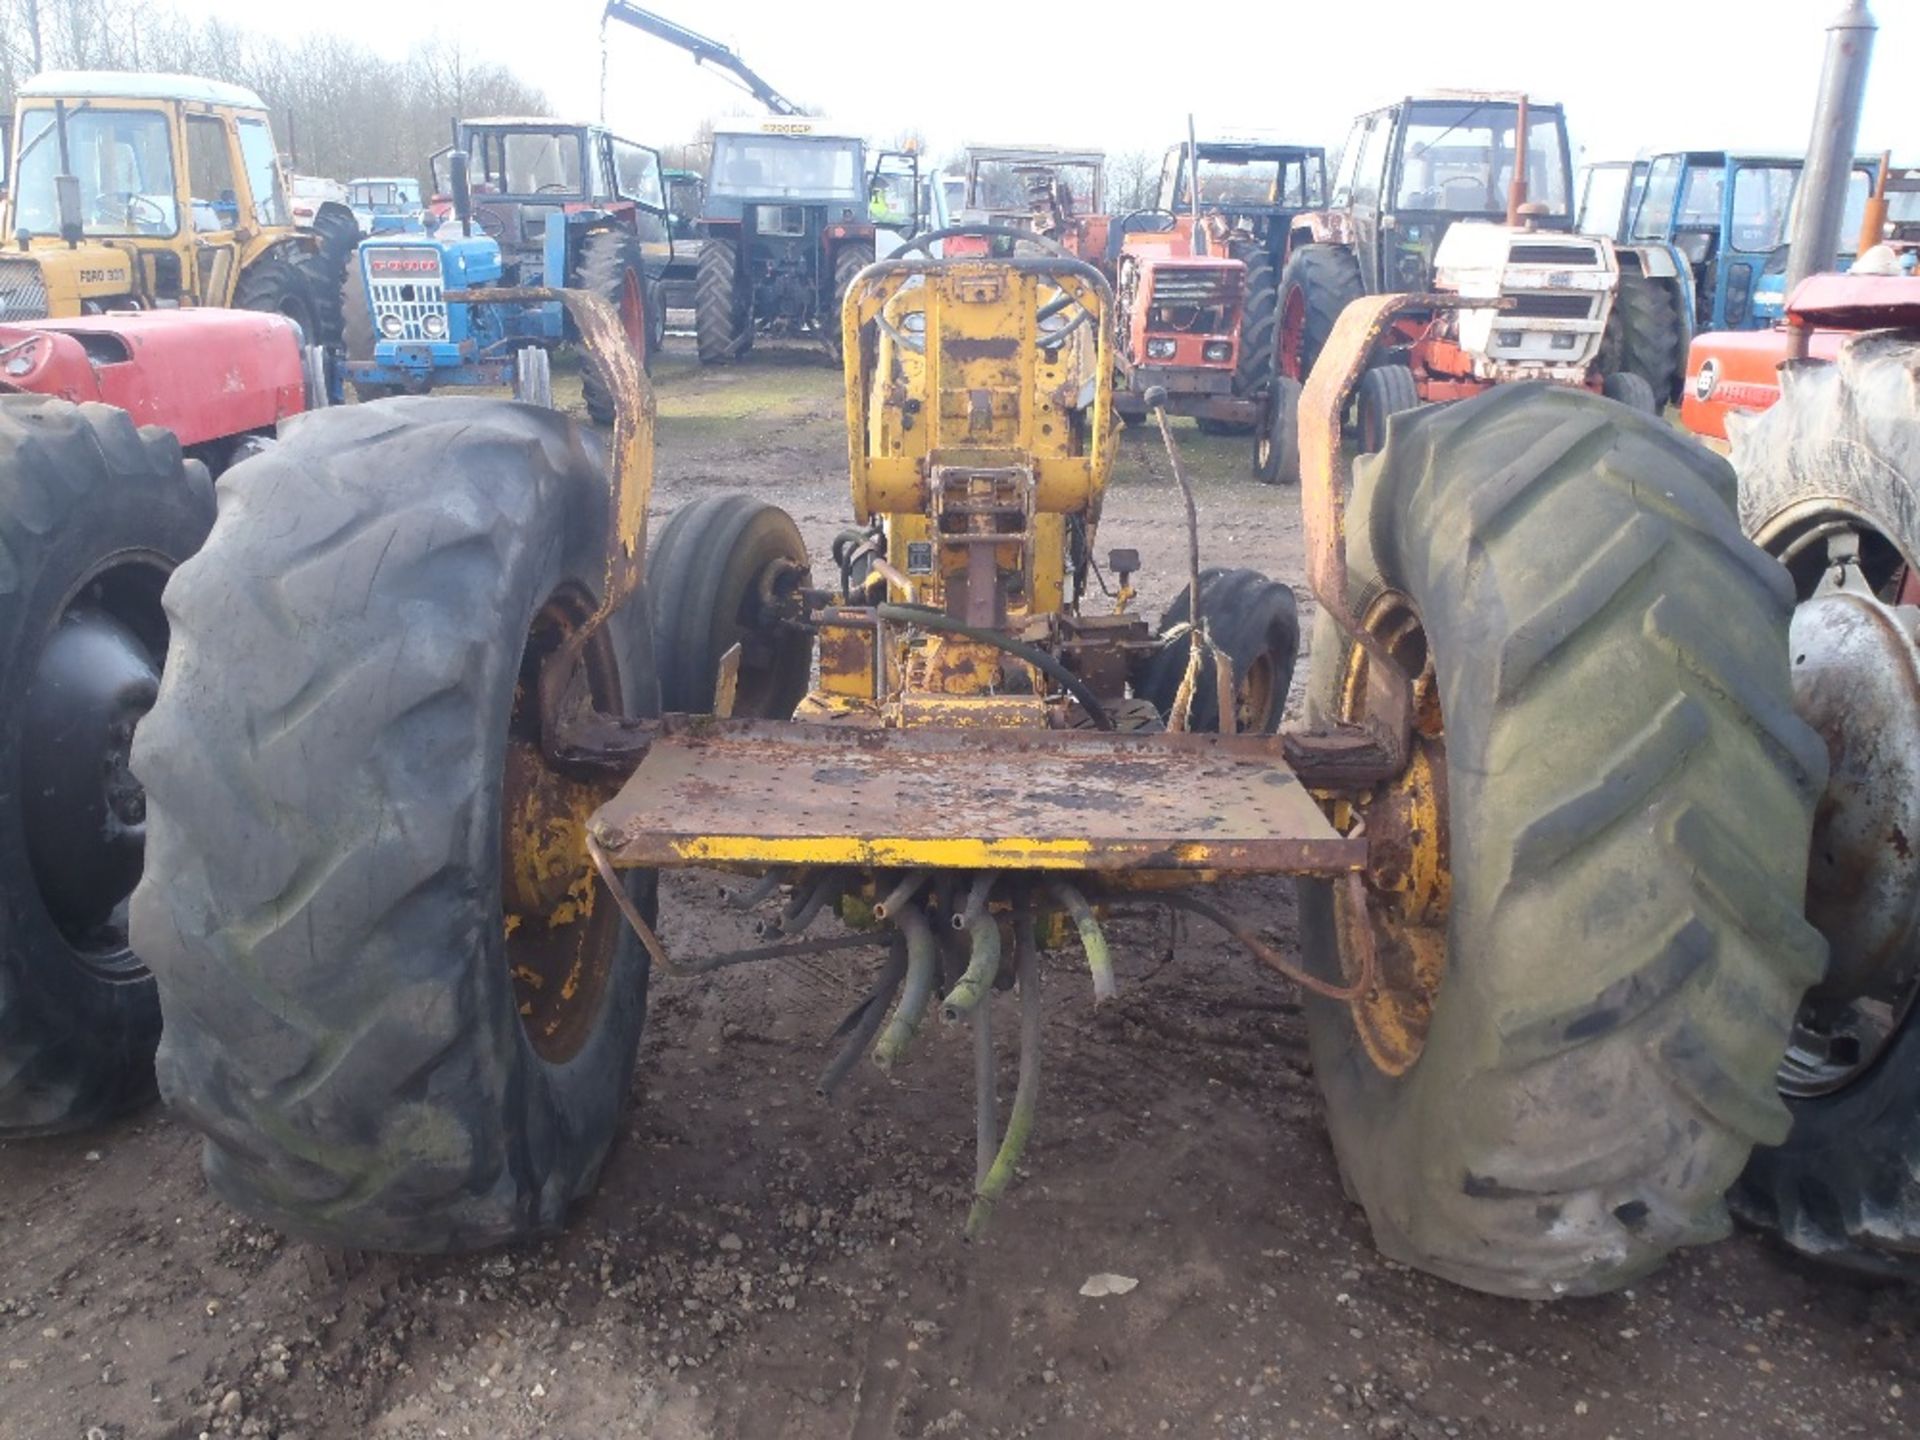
392 326
434 326
1217 352
1160 349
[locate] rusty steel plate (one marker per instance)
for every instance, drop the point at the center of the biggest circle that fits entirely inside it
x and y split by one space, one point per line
749 793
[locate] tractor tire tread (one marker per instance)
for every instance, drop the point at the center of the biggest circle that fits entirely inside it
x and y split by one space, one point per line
77 482
321 892
1574 1117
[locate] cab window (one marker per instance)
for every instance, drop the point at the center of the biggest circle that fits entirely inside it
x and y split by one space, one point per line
123 160
210 175
637 172
263 174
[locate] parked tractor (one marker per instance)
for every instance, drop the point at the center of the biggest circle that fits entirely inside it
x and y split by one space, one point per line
407 812
110 428
792 209
1248 195
139 192
386 202
1524 299
536 205
1707 243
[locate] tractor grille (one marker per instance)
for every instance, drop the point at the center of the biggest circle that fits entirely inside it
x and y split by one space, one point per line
1193 287
1549 305
1552 253
23 289
405 284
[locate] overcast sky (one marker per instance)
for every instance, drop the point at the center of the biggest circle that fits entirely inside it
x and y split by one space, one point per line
1633 74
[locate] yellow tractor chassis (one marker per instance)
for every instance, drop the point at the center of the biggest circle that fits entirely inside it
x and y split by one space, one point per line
863 818
700 792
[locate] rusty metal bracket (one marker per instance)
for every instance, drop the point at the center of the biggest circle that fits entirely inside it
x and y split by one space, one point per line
566 735
630 478
1326 480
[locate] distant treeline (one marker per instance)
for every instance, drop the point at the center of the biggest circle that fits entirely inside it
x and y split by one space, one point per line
338 109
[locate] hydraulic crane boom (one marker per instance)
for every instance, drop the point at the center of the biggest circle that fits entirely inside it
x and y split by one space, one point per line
704 52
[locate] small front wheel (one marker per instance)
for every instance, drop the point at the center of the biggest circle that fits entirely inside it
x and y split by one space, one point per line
1276 444
1384 392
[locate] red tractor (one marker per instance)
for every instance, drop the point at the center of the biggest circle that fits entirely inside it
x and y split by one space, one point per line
111 429
1180 301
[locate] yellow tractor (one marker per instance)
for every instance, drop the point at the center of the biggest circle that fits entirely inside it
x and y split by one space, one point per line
133 191
409 787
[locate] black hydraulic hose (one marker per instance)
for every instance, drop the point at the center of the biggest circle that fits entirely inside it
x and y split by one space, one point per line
930 619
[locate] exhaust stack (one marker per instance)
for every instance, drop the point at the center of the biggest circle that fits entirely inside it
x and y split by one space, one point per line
1815 242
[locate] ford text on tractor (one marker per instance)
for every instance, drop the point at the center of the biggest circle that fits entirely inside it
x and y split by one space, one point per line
110 438
536 205
1543 807
136 192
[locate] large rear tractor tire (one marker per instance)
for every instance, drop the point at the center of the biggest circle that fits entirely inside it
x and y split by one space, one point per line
1834 467
1255 620
613 266
1585 898
1319 282
400 1005
1276 440
356 330
306 286
1646 334
1259 311
719 319
718 574
94 515
848 263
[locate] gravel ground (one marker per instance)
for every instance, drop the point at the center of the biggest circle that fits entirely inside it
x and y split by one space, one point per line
758 1264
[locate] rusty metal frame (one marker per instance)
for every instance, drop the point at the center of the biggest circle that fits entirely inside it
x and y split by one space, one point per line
629 488
1326 481
630 479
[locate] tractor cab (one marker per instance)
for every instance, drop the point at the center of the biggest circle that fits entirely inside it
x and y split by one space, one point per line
1411 170
793 208
1247 190
134 191
1727 214
385 202
1032 184
528 172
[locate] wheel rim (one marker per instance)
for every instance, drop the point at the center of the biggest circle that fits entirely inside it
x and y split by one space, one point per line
1409 881
1293 333
1253 706
1856 672
561 932
84 813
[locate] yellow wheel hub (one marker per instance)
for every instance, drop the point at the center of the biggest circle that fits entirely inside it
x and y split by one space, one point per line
1408 882
560 940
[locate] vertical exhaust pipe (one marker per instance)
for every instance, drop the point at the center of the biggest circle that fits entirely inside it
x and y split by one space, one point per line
1815 242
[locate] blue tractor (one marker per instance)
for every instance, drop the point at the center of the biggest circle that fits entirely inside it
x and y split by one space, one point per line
1702 240
535 203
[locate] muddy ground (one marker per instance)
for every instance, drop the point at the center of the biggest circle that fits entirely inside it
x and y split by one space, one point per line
759 1265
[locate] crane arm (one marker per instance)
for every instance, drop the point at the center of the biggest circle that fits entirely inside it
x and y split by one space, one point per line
704 52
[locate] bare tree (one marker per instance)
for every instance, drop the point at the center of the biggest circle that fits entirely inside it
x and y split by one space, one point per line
336 107
1133 181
